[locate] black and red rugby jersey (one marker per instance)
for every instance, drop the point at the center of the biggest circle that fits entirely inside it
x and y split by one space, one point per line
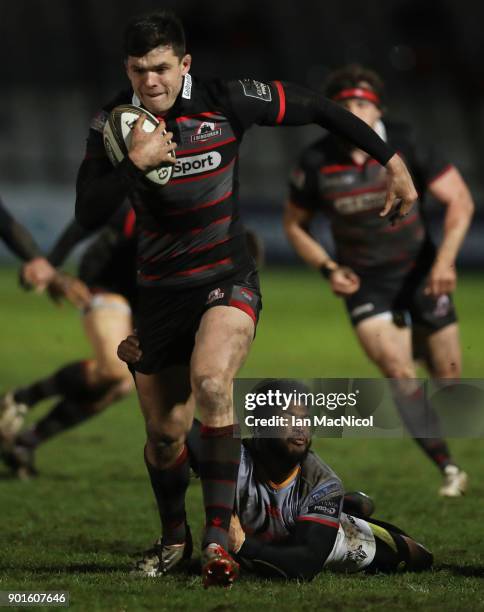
189 231
327 180
109 262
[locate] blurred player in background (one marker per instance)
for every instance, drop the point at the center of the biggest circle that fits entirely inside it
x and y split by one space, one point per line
37 272
199 299
85 387
396 284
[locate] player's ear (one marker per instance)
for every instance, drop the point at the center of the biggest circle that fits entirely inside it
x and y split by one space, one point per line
186 62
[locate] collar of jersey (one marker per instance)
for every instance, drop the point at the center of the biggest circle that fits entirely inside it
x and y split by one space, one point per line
287 481
381 130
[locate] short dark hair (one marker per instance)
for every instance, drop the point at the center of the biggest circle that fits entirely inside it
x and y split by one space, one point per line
146 32
351 76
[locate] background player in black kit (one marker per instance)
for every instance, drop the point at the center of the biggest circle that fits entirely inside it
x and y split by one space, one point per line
37 272
198 300
107 270
88 386
393 279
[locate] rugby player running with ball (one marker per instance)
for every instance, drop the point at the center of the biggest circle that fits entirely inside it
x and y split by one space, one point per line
198 292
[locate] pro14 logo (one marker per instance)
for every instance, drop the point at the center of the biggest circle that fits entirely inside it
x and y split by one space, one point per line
197 163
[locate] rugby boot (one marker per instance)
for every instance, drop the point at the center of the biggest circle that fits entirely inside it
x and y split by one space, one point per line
21 461
455 482
420 558
163 558
358 504
218 567
12 415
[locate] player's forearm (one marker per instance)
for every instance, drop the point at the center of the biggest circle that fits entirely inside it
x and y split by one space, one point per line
304 106
18 239
101 191
457 221
70 237
306 246
284 561
300 558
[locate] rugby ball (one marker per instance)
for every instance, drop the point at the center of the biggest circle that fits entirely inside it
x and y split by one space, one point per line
117 138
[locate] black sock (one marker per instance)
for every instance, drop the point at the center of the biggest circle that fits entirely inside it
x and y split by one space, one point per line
36 392
69 381
422 422
391 553
219 467
169 487
64 415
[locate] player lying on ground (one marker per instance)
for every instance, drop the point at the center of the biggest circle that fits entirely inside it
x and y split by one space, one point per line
199 298
396 285
292 518
85 387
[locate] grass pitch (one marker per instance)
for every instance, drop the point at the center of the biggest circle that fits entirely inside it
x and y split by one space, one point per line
79 526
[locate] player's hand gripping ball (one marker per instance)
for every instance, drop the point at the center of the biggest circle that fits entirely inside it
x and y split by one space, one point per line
117 138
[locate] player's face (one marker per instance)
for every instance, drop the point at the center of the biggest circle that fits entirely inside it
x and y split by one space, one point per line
296 438
293 441
157 78
364 110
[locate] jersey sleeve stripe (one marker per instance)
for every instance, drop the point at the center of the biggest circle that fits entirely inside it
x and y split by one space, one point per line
244 307
313 519
282 102
441 173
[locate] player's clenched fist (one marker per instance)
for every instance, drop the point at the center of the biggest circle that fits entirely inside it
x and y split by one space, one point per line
149 150
344 281
129 350
236 534
401 192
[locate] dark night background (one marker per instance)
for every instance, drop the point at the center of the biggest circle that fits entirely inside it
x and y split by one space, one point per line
61 60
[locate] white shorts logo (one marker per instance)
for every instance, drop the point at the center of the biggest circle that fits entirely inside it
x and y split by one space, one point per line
216 294
442 307
197 163
362 309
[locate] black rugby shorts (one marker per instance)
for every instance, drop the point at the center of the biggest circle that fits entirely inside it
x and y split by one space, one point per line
404 300
167 321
